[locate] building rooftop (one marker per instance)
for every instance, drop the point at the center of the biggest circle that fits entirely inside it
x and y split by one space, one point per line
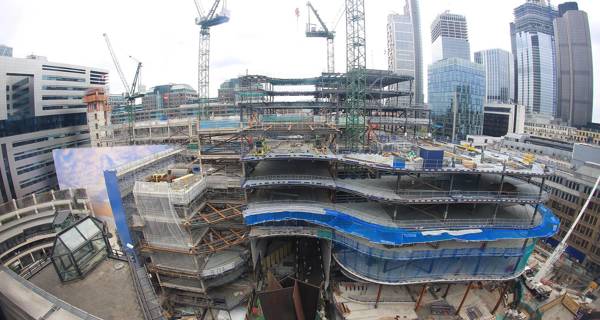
107 292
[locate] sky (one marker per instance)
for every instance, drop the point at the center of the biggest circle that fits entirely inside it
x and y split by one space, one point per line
262 37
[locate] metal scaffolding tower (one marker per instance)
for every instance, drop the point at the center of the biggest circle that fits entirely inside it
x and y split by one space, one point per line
356 61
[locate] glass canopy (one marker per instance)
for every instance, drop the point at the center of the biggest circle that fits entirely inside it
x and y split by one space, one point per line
79 248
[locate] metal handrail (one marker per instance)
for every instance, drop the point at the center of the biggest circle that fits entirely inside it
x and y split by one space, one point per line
40 198
400 253
290 177
405 194
415 224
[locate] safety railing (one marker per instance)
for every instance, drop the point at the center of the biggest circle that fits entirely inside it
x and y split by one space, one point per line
380 162
415 224
399 253
17 208
430 270
365 188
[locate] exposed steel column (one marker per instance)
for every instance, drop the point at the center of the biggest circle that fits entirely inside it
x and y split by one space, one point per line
446 292
500 299
420 297
464 298
378 295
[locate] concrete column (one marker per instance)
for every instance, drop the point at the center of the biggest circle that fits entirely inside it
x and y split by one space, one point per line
15 205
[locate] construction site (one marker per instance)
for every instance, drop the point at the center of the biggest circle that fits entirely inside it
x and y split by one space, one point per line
322 198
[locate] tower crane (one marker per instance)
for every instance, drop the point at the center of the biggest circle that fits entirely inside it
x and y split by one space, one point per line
312 31
131 92
205 22
356 74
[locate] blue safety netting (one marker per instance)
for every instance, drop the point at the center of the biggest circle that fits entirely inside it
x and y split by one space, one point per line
345 223
440 269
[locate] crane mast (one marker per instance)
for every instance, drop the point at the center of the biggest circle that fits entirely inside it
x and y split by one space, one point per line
356 75
324 32
131 92
205 22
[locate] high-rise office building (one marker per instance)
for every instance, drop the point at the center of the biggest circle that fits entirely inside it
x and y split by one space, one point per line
5 51
41 109
168 96
405 54
532 39
499 74
456 90
573 65
449 37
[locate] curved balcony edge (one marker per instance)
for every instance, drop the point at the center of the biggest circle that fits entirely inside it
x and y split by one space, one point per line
351 160
390 235
448 279
363 247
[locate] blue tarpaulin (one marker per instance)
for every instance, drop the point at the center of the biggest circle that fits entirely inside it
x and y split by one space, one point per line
376 233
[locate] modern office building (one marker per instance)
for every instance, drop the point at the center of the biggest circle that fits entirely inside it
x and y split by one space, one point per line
574 66
532 40
577 169
500 119
499 75
456 91
168 96
41 109
449 37
6 51
116 100
405 54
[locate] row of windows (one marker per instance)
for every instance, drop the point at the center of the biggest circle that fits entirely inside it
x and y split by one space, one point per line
35 166
62 97
63 88
62 78
60 107
23 125
44 150
579 241
565 196
31 181
63 69
55 136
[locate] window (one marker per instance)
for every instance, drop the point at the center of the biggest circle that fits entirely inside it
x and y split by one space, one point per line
61 78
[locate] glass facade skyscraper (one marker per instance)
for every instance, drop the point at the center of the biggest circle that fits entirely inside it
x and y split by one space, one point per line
456 90
449 37
574 66
499 74
405 54
532 39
